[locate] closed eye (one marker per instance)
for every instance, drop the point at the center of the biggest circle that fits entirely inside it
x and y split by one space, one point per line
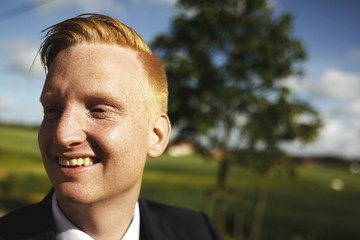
52 112
103 111
97 110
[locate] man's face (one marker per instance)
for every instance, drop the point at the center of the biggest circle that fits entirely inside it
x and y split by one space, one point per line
94 114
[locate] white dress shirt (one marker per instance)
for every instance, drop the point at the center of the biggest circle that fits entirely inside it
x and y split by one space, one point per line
65 230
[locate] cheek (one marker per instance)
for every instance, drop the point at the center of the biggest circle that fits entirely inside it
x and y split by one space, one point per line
125 156
130 141
43 137
44 142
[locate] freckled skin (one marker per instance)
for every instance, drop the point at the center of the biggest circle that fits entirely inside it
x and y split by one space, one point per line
92 105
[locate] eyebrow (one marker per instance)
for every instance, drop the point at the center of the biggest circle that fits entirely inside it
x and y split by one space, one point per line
95 97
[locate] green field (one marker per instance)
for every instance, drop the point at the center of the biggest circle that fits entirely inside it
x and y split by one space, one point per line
305 207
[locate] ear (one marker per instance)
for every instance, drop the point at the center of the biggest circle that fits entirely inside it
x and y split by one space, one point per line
159 135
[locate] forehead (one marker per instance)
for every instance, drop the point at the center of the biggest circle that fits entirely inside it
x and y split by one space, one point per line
98 59
95 67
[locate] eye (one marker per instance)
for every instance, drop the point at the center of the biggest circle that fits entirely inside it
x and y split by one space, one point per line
52 112
103 111
97 110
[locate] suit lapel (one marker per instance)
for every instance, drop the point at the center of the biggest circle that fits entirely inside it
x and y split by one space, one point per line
147 229
33 222
49 235
43 223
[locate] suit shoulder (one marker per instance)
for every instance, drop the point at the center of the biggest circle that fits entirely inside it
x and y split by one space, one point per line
23 214
164 209
29 219
180 222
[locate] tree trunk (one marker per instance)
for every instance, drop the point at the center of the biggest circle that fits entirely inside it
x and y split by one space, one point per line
223 169
259 214
220 205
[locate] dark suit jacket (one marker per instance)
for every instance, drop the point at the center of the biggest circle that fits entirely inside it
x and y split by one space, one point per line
158 222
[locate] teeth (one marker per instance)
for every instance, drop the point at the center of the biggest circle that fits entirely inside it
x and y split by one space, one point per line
76 162
80 161
88 161
73 162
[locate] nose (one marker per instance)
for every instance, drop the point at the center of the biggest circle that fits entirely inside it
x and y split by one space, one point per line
70 130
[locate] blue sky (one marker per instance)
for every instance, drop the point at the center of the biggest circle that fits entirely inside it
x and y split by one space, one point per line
328 28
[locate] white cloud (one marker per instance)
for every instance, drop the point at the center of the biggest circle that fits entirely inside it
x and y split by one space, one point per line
335 84
274 4
22 54
337 95
336 139
6 104
352 109
82 5
20 102
166 2
296 84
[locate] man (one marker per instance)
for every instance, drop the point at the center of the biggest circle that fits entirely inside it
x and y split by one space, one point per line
105 103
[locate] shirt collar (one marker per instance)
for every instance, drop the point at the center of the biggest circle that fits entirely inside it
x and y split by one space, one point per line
65 230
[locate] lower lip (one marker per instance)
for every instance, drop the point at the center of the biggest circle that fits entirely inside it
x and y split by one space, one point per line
70 171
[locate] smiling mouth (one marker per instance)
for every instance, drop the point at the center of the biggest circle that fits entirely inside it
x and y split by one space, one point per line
76 162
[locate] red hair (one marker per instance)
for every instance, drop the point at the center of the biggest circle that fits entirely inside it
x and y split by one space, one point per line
96 28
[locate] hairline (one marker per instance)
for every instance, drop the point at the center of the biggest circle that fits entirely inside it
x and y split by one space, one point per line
101 29
144 82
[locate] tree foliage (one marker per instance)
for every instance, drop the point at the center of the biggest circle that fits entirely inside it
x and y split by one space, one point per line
227 62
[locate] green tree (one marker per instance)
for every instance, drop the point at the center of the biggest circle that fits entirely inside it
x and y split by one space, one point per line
227 62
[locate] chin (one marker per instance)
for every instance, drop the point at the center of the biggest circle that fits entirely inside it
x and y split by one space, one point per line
70 194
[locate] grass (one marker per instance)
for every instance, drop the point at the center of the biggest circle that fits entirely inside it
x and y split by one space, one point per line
306 207
19 139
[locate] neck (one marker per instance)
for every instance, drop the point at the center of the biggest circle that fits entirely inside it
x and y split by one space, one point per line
107 219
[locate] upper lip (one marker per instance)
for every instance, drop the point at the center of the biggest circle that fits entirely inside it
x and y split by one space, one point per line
76 155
